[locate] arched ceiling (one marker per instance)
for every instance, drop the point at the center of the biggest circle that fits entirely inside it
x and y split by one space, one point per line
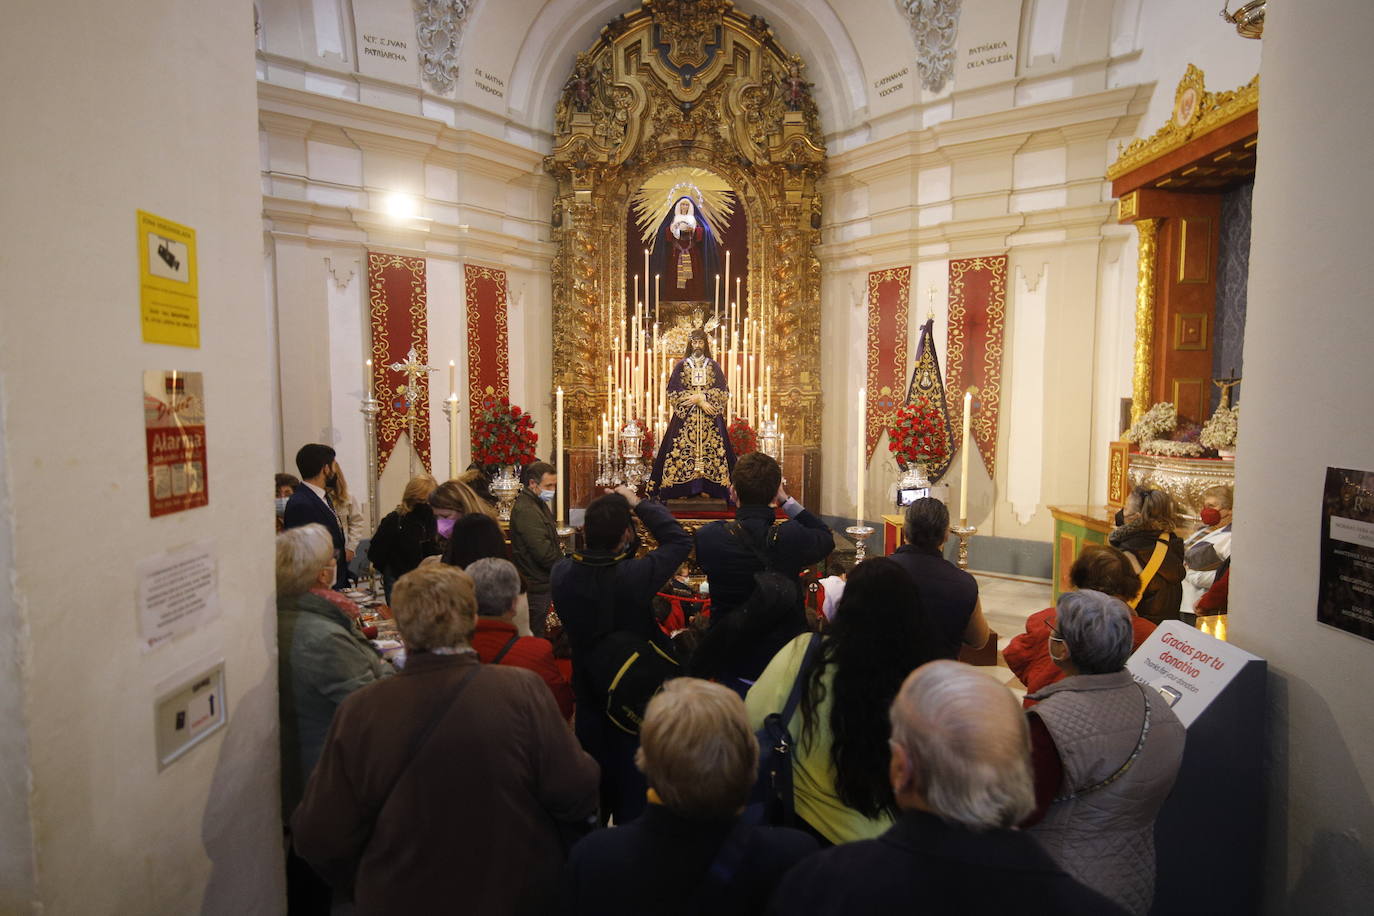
554 31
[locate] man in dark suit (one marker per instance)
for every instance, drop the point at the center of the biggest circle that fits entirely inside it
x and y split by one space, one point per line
731 552
310 504
961 775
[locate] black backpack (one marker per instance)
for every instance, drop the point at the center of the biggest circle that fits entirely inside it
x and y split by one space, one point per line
625 668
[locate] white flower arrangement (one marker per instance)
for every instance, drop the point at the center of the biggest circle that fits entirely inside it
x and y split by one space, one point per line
1155 425
1221 430
1171 449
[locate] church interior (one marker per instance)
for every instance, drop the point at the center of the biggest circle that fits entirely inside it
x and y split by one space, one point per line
1022 256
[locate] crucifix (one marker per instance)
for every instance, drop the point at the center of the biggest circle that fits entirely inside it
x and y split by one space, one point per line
1226 384
413 368
930 302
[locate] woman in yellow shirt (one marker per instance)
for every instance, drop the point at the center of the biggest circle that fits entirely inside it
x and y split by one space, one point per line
840 767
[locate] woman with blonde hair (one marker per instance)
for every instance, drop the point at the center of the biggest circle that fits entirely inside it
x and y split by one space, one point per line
349 512
407 535
1145 532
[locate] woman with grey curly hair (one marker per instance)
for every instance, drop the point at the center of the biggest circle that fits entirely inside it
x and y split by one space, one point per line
1105 754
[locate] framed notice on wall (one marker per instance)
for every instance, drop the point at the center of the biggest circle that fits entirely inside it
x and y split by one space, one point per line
174 423
1345 594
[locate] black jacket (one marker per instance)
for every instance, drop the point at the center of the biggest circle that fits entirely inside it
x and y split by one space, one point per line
659 863
924 865
580 585
306 508
402 541
730 565
948 594
1164 593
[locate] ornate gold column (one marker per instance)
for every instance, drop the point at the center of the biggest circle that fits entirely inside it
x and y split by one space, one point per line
1147 256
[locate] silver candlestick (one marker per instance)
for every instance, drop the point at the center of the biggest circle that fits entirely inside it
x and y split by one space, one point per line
964 532
859 535
370 408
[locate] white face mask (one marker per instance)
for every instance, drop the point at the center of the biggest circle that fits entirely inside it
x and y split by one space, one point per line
281 505
547 495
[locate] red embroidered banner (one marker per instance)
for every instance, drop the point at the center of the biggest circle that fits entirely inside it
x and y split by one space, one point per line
484 288
400 322
888 292
977 315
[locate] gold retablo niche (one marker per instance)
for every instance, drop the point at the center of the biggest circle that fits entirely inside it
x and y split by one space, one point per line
694 100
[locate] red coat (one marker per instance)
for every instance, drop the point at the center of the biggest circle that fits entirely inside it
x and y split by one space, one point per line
528 652
1028 655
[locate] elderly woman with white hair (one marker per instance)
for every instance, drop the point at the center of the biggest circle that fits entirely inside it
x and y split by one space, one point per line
688 852
1106 753
321 655
321 658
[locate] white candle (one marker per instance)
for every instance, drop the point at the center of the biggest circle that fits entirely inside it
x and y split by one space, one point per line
715 300
963 462
558 451
859 482
658 298
727 276
646 274
367 371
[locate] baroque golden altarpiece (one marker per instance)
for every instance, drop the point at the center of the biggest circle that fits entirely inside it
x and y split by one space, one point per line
687 84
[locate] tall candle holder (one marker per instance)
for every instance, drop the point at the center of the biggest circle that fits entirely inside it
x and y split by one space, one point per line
631 446
369 408
505 487
964 532
451 414
859 535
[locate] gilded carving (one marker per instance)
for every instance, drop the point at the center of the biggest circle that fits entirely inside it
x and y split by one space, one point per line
1196 112
1143 376
687 83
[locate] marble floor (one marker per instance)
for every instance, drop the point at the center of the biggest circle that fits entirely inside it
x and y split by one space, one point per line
1007 602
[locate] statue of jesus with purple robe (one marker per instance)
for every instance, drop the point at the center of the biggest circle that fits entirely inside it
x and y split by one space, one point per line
695 457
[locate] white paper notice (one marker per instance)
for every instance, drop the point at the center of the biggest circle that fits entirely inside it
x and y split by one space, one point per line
1188 667
177 592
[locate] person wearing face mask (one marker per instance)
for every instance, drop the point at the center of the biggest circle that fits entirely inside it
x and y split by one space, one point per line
322 657
310 503
285 485
1208 550
452 500
608 575
695 457
407 535
534 542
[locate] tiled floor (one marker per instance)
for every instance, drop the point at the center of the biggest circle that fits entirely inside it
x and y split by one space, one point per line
1007 602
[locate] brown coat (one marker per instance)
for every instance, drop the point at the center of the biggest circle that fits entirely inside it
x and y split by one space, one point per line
472 824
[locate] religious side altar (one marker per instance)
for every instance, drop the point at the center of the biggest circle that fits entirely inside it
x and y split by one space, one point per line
1075 526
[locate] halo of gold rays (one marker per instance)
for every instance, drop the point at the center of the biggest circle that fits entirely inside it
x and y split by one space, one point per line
656 197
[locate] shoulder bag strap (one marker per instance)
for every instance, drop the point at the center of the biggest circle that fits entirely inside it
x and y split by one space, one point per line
1130 761
422 738
504 649
737 530
809 659
1152 567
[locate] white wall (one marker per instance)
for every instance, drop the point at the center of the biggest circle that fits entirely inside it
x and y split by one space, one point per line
1308 377
110 108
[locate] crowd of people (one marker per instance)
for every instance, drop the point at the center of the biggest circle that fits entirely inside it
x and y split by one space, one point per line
547 744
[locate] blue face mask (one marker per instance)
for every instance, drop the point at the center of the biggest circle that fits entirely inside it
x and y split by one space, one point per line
281 505
547 495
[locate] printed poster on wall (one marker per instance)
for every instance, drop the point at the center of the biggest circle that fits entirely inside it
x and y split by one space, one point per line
168 294
1345 593
174 421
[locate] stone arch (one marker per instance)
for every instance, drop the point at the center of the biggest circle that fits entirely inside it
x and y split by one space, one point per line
698 84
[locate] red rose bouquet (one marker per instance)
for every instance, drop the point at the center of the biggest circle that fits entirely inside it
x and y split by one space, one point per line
917 434
504 434
743 439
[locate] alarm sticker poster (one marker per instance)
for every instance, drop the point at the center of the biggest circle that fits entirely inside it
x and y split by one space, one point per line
1345 596
174 421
